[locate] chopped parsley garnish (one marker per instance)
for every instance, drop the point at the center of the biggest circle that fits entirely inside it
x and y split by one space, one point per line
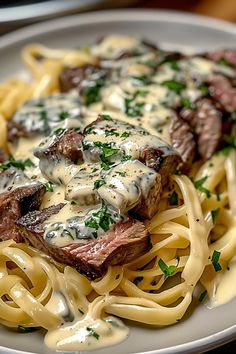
63 115
186 102
91 93
174 85
94 169
101 219
215 260
121 173
199 185
81 311
23 329
49 186
174 200
92 333
204 89
214 214
20 164
44 119
106 116
173 64
137 280
126 158
142 93
125 135
88 130
168 270
92 223
59 131
98 183
107 150
111 132
202 296
133 109
142 80
223 62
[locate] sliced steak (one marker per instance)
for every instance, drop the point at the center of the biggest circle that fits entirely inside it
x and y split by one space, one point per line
206 124
14 205
222 91
123 243
183 141
67 143
76 78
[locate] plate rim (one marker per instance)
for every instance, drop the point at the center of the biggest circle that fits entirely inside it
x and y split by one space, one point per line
131 15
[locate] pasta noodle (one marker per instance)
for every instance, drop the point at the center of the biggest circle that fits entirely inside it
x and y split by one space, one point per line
38 292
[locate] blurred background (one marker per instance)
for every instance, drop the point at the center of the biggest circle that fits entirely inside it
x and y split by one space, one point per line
15 13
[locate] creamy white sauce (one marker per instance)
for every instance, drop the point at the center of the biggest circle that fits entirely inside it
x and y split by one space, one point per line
224 287
87 334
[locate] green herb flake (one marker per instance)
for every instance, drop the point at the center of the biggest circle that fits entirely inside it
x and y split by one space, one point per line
92 223
204 89
168 270
106 116
121 173
126 158
137 280
223 62
174 200
215 260
186 102
98 183
89 130
20 164
174 85
23 329
125 135
92 333
142 80
81 311
63 115
214 214
199 185
110 133
59 131
133 109
94 169
104 218
49 186
202 296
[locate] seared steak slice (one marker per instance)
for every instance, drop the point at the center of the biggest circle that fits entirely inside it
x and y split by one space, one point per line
229 55
15 131
67 144
183 141
206 124
123 243
76 77
222 91
15 204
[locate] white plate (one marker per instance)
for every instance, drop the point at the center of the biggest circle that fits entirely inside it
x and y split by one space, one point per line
201 328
